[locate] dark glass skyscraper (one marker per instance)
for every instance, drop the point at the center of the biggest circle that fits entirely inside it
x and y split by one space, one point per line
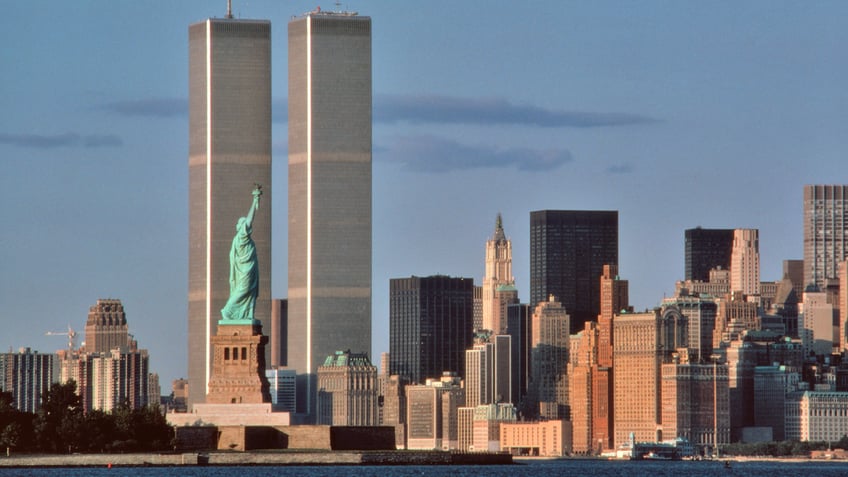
431 322
518 326
568 251
706 249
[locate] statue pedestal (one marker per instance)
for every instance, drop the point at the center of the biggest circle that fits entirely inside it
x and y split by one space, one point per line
238 365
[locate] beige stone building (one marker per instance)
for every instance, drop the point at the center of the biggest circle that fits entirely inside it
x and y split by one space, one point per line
825 232
498 274
695 402
479 374
549 359
347 390
817 324
432 417
394 406
745 262
816 416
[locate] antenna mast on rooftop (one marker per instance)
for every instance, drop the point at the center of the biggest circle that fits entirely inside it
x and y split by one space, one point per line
229 8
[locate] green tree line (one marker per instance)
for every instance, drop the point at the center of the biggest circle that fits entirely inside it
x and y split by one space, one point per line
781 448
61 426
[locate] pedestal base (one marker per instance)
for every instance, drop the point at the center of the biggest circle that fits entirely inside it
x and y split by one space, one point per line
238 366
230 415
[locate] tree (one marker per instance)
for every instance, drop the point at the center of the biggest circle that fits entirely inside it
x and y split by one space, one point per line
99 431
59 424
11 436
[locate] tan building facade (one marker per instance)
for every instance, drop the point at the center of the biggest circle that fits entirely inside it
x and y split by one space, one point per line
637 388
432 417
549 359
543 439
816 416
347 390
582 366
486 425
695 403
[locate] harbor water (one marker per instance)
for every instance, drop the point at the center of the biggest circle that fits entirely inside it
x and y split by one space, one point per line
532 468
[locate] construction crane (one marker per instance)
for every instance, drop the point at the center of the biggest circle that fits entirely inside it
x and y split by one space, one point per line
71 334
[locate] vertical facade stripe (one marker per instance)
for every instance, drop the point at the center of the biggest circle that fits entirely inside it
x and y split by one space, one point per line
309 210
208 201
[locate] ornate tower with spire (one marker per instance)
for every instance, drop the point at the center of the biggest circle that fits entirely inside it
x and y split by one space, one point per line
498 283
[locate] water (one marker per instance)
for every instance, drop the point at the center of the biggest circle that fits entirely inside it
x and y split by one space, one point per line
550 468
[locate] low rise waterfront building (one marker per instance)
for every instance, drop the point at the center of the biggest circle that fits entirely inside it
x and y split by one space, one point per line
816 416
543 439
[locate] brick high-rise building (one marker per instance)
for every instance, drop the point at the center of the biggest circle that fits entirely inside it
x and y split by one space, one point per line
642 341
106 328
582 370
568 250
843 306
113 371
229 152
825 232
614 299
329 147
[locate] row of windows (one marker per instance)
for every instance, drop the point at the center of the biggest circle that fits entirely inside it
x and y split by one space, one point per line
235 353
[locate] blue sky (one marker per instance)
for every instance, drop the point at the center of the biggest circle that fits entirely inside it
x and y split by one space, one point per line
676 114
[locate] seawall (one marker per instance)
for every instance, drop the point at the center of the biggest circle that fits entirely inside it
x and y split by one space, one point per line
257 458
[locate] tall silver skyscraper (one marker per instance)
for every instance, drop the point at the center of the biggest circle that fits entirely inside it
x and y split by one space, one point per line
329 256
229 151
825 232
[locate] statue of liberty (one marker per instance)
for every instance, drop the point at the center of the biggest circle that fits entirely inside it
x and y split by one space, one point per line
244 268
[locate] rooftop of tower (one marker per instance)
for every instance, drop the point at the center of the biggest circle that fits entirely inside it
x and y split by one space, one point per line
499 235
338 13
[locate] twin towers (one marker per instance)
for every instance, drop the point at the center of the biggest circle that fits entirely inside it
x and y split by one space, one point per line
329 186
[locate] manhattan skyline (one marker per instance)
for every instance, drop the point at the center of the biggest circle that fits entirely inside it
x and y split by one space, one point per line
675 115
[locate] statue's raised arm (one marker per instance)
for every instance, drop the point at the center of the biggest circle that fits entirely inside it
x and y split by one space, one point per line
257 191
244 268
